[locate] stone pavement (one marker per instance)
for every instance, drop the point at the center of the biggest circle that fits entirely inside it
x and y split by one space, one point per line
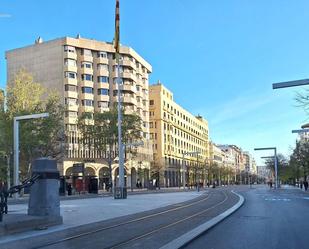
79 212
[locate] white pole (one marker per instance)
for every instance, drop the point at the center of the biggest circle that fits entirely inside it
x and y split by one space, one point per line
276 169
16 153
183 171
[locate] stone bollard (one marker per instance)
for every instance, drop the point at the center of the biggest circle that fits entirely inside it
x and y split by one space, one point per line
44 193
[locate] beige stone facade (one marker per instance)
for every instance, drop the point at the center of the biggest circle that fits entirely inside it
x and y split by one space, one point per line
174 132
83 72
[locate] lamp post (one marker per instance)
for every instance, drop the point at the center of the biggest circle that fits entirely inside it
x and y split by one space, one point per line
183 164
292 83
276 162
16 141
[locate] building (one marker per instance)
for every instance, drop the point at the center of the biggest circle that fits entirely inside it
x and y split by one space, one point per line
2 100
175 133
83 72
217 155
235 160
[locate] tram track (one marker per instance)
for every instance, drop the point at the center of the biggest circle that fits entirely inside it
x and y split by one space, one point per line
123 223
69 241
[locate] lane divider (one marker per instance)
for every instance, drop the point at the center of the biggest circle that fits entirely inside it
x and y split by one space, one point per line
196 232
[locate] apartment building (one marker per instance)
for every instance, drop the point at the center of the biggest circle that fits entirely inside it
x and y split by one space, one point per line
217 155
176 133
83 72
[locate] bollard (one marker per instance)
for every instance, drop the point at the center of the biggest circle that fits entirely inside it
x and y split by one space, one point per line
44 193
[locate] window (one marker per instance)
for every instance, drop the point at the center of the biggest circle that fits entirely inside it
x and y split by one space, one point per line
120 79
70 62
71 114
103 91
87 90
151 102
137 88
86 64
70 75
87 102
102 54
88 77
103 79
69 49
70 101
71 88
151 125
102 67
103 104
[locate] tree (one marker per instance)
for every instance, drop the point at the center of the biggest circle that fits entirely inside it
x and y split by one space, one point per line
38 137
281 164
100 132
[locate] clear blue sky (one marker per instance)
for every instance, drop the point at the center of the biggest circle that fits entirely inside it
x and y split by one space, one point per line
218 57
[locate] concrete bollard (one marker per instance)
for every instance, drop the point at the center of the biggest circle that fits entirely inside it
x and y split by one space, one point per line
44 193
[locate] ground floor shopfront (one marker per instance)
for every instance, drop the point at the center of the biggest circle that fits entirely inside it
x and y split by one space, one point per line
98 171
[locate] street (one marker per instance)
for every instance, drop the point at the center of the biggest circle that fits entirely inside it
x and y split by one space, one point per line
149 229
269 219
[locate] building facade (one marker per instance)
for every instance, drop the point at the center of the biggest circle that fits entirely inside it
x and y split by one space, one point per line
175 134
83 72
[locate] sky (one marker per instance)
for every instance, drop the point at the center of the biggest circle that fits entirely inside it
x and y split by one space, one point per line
219 58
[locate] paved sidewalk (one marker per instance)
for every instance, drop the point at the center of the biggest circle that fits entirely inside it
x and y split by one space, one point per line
85 211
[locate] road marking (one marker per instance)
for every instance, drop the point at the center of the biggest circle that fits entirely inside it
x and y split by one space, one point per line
277 199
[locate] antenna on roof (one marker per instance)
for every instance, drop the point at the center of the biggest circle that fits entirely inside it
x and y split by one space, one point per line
39 40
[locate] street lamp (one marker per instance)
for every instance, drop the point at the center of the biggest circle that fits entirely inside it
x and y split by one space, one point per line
183 165
276 162
292 83
16 141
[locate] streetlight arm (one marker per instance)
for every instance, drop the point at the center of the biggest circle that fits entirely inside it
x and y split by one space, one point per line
291 83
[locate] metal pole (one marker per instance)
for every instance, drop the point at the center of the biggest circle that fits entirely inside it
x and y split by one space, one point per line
120 145
183 171
16 153
8 173
276 169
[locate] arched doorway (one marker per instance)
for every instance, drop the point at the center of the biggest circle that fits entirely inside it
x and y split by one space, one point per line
89 171
104 178
69 172
116 177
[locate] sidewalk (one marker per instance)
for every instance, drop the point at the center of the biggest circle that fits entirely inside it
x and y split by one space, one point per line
85 211
25 198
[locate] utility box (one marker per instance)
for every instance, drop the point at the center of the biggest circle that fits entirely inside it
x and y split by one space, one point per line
44 193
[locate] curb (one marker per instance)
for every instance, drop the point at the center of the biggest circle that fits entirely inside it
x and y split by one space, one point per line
196 232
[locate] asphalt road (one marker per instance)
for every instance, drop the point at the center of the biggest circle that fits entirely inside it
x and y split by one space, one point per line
151 229
269 219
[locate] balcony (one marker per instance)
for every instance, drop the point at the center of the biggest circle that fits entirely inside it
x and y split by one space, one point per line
128 75
73 108
86 58
102 109
70 55
102 98
126 62
70 68
86 83
86 109
70 120
102 85
130 100
101 60
86 96
71 94
129 88
70 81
102 72
126 99
85 70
